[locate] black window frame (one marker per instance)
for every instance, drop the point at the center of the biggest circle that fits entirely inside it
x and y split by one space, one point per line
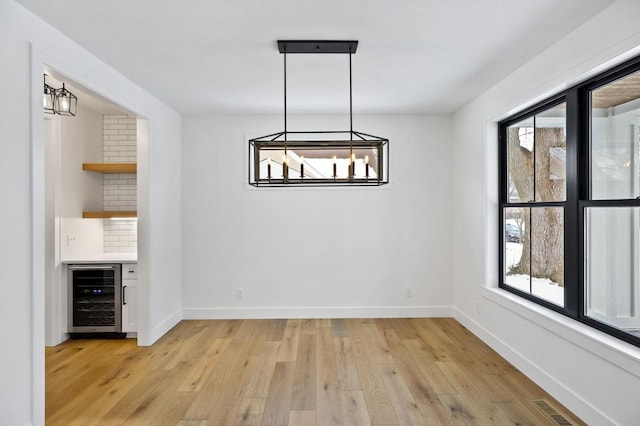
578 193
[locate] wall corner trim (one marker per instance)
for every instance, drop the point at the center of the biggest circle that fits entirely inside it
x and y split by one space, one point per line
163 328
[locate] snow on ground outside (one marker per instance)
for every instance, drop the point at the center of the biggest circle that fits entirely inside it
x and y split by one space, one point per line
540 287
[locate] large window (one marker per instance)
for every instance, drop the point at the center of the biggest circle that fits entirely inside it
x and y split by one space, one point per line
570 202
534 209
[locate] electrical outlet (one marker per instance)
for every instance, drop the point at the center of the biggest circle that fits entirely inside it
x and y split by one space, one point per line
71 239
408 292
239 293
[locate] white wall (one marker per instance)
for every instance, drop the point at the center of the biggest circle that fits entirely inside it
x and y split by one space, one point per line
316 252
81 141
594 375
15 250
28 43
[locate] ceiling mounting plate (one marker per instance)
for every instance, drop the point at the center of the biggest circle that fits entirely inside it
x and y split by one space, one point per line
317 46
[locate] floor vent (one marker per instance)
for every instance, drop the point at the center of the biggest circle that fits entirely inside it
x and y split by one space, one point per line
551 412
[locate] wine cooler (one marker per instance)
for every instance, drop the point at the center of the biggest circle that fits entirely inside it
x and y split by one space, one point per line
95 299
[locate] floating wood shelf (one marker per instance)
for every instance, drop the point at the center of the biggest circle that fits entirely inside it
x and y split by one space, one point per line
110 167
109 215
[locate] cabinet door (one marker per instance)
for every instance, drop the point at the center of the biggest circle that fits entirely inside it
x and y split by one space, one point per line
129 299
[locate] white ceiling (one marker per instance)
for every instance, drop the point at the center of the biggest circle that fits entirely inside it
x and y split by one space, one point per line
220 56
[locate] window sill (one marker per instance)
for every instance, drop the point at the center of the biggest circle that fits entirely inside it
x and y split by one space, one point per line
615 351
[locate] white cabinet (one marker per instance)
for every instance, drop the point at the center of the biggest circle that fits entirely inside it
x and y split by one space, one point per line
129 300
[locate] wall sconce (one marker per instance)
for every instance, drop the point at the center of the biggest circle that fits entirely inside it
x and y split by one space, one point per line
59 101
48 99
65 102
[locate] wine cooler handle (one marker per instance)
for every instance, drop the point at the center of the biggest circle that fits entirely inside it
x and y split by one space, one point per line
124 301
80 268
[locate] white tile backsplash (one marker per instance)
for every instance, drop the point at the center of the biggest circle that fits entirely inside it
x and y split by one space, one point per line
120 190
120 236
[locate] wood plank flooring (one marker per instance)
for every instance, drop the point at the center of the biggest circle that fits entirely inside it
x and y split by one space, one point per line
295 372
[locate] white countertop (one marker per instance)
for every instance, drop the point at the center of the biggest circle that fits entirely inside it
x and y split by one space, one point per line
103 258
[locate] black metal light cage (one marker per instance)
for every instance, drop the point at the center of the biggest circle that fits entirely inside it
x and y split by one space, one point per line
49 97
65 102
318 158
59 101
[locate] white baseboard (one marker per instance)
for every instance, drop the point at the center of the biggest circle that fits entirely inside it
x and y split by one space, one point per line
319 312
166 325
558 390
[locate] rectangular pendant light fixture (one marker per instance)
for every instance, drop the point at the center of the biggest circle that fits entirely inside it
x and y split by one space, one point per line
318 158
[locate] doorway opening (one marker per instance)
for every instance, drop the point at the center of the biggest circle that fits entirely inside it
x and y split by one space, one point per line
90 214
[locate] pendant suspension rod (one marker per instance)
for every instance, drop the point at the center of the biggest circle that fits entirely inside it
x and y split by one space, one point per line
285 94
350 96
285 159
352 162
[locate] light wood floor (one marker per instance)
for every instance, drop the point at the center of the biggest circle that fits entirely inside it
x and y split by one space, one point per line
295 372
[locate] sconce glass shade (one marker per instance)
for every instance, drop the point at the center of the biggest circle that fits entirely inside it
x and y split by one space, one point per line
325 158
48 98
65 102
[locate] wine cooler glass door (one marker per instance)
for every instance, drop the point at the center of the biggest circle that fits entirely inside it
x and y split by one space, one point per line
95 298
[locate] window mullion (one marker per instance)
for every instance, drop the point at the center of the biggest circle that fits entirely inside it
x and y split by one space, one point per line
572 250
534 149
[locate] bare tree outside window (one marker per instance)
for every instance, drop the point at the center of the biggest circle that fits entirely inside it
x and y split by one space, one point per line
536 174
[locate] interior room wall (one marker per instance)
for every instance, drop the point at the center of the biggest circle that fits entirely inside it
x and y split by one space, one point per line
81 142
594 375
16 401
29 43
316 252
